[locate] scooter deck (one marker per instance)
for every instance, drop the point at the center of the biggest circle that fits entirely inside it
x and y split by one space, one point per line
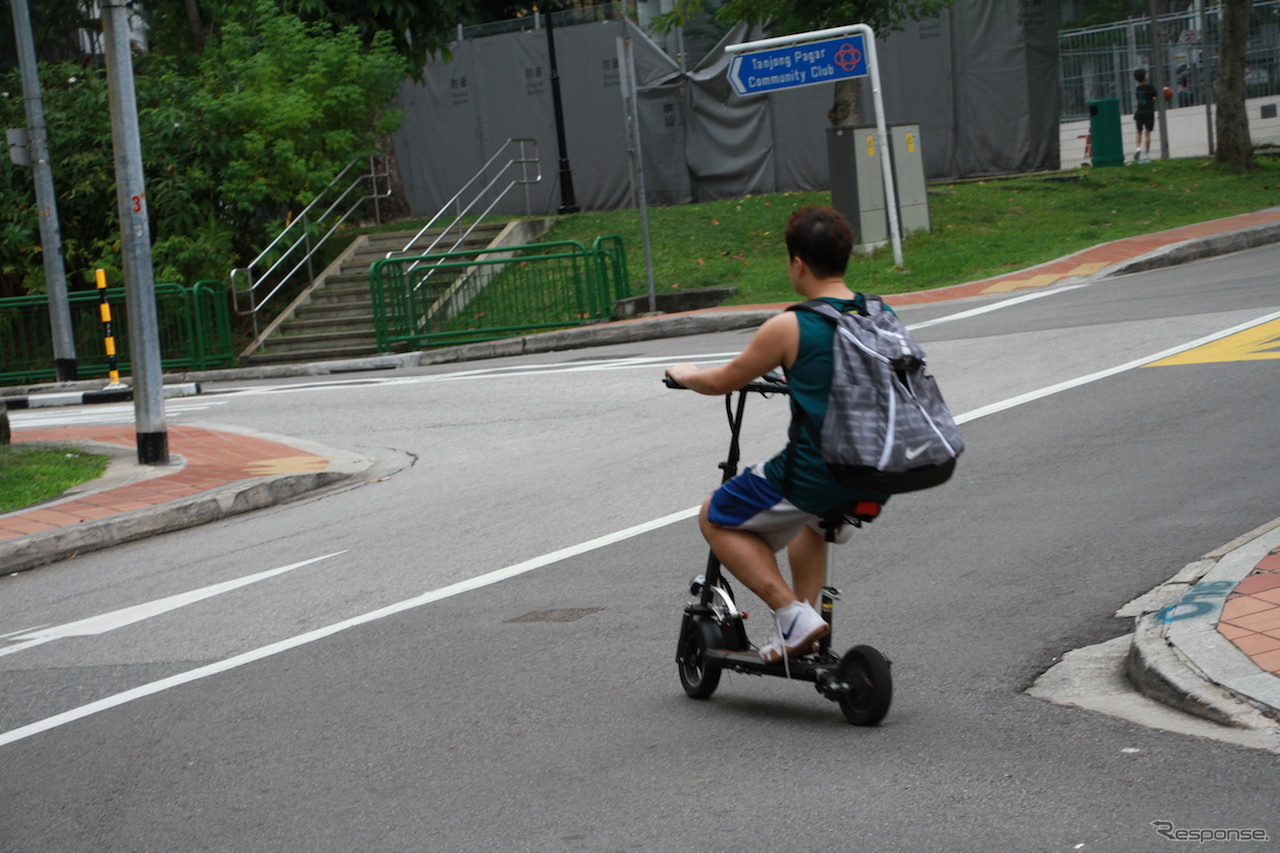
807 668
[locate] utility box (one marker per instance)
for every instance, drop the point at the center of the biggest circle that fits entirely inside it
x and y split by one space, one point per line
857 181
908 178
1104 132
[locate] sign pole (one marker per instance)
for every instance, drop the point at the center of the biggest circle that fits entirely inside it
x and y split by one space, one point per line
820 56
890 191
631 103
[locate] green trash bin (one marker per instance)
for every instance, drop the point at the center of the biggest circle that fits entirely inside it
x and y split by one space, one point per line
1104 132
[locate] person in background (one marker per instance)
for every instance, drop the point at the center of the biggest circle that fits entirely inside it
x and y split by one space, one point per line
1144 115
1185 98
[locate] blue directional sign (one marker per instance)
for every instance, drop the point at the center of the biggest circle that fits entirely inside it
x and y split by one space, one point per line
798 65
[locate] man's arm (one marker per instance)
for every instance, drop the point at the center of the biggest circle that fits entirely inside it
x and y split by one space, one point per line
774 344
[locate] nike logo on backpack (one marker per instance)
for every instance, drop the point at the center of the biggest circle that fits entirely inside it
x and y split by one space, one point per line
913 452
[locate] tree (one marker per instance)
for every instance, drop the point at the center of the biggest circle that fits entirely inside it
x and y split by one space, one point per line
1096 12
236 140
416 29
795 16
1231 125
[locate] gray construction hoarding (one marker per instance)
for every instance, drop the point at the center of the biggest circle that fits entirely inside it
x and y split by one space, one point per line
981 81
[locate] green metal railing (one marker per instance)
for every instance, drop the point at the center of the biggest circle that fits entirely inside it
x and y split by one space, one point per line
194 325
465 297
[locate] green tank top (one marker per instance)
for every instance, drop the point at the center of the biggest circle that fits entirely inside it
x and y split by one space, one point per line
799 472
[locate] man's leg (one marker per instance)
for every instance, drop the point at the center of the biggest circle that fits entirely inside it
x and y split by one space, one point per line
808 556
749 559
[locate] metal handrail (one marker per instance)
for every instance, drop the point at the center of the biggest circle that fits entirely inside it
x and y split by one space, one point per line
521 158
247 280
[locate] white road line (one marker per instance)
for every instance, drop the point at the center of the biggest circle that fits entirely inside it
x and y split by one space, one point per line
996 306
527 566
329 630
102 415
105 622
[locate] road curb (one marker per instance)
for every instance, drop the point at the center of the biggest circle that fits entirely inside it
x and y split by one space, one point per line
39 549
1197 248
67 396
1184 663
1156 669
604 334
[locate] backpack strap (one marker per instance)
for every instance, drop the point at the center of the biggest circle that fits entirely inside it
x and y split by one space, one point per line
871 305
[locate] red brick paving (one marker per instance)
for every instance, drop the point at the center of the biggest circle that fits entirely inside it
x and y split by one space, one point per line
204 459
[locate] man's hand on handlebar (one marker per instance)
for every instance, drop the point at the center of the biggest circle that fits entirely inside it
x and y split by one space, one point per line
679 374
687 376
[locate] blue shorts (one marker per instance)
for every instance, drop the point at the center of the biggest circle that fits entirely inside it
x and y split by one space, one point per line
750 502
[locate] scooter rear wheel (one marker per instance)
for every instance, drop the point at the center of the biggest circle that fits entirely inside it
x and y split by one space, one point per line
698 676
866 671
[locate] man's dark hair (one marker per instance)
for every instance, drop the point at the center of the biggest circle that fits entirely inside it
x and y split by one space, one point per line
821 237
1140 75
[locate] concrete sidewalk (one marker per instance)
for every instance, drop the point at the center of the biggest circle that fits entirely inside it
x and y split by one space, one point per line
1208 641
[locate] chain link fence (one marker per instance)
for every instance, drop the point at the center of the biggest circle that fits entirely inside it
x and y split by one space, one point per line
1098 62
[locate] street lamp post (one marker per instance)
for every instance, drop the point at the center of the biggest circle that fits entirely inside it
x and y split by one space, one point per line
135 239
567 202
55 277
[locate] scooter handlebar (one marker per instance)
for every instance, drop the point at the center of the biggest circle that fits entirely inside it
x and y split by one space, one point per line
770 383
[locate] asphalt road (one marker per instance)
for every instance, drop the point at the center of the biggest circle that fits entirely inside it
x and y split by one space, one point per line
480 656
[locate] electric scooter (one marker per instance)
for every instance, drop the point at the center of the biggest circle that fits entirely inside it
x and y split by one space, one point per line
713 637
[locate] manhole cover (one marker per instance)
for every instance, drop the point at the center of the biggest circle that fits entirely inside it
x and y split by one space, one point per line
567 615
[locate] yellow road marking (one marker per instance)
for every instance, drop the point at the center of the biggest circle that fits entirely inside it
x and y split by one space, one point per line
1256 344
1043 280
288 465
1019 283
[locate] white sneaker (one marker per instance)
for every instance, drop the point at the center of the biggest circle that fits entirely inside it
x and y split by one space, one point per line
796 628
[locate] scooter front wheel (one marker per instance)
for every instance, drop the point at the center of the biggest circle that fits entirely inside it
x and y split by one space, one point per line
699 676
866 671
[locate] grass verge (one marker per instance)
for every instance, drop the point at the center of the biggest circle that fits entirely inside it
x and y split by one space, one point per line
30 474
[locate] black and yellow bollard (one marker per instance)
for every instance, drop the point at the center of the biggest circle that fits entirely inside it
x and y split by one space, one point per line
104 309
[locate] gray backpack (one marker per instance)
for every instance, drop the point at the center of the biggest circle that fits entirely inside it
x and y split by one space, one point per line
887 428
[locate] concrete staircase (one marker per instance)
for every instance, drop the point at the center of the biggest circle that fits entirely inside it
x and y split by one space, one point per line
333 319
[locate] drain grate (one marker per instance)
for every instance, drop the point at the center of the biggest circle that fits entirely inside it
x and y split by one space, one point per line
566 615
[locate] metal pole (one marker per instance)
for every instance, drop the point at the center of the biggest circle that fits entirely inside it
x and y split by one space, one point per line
890 192
1203 86
64 347
135 235
630 101
567 202
1157 69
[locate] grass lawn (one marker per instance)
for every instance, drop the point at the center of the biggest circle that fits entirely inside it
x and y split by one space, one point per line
980 228
30 474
